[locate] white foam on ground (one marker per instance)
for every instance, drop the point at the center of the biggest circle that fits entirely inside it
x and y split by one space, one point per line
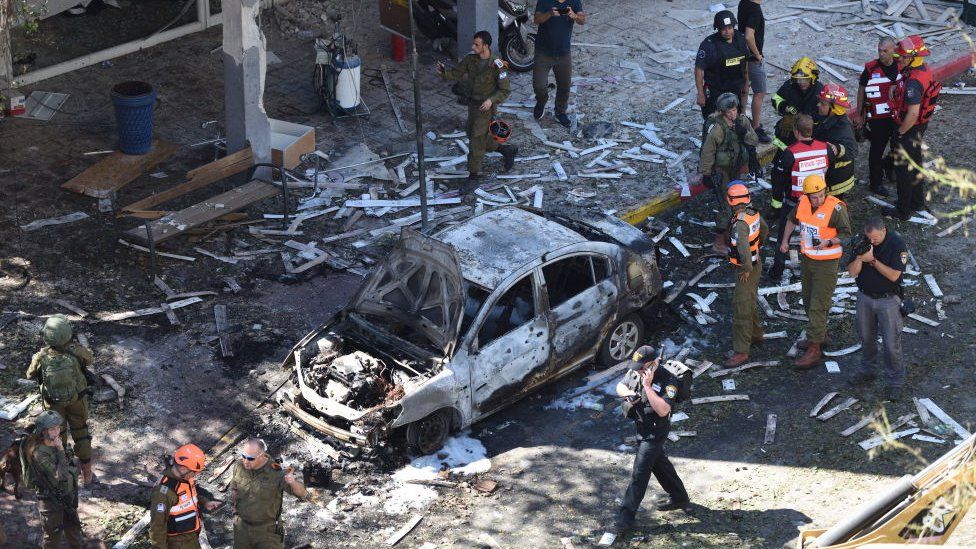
405 497
463 455
582 401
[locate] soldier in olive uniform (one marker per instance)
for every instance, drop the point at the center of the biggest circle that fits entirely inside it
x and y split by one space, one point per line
60 369
485 77
256 487
747 231
49 468
728 149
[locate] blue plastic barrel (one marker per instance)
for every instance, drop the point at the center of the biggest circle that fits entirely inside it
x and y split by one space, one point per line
134 103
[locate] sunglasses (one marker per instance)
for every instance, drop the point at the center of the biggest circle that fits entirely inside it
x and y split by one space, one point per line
246 457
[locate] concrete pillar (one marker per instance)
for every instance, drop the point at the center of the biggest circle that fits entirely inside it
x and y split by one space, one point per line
474 16
6 61
245 63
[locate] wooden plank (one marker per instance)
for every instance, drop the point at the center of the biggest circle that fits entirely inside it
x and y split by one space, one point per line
945 418
881 439
837 409
197 178
220 320
208 210
922 11
770 429
723 398
133 532
823 402
859 425
118 170
402 532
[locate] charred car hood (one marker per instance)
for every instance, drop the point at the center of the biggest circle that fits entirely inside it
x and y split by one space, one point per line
419 285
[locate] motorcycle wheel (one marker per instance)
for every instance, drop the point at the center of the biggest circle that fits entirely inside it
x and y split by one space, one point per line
518 49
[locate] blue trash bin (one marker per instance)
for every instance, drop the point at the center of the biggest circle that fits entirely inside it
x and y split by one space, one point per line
134 103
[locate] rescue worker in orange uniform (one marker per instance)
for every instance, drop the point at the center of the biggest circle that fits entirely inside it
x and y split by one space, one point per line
824 224
175 502
913 102
746 233
873 112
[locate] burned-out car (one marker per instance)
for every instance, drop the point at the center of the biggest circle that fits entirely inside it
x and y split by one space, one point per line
453 327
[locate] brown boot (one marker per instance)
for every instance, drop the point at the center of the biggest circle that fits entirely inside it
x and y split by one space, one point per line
758 339
737 359
802 345
87 475
718 245
810 358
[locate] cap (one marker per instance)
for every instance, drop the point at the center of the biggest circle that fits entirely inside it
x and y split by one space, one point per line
643 355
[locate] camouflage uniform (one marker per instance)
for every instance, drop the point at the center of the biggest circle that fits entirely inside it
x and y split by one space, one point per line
257 506
746 327
725 152
59 512
74 409
486 79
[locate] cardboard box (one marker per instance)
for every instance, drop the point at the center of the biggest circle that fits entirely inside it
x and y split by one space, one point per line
289 141
16 104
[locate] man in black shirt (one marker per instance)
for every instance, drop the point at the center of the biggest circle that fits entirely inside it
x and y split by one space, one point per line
753 26
556 19
878 273
720 65
651 392
874 112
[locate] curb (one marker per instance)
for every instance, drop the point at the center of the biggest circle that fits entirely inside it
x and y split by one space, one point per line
672 198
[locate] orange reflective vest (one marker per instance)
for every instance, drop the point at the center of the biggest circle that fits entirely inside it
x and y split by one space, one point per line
814 228
751 219
877 91
184 517
809 157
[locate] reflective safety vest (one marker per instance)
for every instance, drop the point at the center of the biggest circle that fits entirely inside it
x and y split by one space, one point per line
877 92
814 228
809 157
751 218
930 95
184 517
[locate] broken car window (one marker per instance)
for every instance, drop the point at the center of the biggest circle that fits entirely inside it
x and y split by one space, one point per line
474 298
601 268
513 309
568 278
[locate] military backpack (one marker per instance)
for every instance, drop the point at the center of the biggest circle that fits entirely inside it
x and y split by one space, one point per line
61 377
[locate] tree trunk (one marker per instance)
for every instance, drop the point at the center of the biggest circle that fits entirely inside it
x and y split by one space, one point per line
6 60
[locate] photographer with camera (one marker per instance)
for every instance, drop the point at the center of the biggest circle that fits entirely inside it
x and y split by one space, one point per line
650 393
878 263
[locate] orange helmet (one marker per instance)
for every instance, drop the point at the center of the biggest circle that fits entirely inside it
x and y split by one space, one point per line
836 94
737 193
500 130
190 456
911 46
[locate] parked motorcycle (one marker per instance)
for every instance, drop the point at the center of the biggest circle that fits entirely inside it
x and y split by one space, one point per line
437 19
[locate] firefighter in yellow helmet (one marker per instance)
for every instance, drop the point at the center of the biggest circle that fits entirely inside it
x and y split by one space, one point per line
746 233
824 224
798 95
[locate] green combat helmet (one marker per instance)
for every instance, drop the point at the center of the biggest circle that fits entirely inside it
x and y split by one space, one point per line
46 420
56 331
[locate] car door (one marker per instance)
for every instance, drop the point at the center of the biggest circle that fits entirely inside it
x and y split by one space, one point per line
582 296
511 349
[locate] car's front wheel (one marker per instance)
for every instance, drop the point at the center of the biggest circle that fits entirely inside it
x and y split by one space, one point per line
621 341
429 434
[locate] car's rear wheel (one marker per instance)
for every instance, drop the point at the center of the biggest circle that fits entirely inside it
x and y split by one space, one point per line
429 434
621 341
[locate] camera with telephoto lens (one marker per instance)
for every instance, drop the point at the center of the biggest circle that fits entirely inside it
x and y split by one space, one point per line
857 246
563 11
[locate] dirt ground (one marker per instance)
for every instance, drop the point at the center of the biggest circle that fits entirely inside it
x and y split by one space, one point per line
560 472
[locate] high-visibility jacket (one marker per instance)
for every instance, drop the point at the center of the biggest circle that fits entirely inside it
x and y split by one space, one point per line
877 91
751 218
184 516
930 95
809 157
815 229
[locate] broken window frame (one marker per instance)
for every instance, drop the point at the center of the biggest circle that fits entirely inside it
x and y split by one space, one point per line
594 280
537 296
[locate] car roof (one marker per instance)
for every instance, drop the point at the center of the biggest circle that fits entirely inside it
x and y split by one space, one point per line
495 244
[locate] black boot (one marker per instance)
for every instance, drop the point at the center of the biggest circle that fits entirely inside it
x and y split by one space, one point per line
880 190
470 184
508 155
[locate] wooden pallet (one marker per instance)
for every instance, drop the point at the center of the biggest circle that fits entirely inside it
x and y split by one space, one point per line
118 170
177 223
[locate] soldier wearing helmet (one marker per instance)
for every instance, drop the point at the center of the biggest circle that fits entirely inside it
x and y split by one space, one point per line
834 127
798 95
484 77
49 468
824 224
747 231
913 100
721 64
176 501
729 150
60 369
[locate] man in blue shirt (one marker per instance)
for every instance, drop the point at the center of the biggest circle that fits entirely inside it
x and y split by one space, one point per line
555 19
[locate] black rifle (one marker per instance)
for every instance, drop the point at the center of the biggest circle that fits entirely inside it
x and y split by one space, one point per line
69 503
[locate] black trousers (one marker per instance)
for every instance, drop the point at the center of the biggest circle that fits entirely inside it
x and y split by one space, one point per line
882 135
651 459
779 258
911 191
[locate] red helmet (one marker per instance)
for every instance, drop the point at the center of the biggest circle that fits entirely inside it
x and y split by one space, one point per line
190 456
737 193
500 130
911 46
836 94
